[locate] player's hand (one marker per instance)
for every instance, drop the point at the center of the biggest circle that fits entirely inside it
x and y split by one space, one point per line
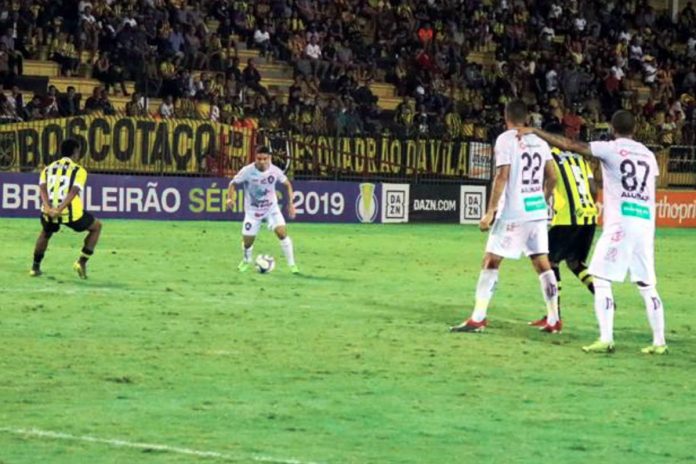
291 211
522 131
486 221
53 213
230 204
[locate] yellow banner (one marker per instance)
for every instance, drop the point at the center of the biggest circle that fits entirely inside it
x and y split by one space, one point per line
121 143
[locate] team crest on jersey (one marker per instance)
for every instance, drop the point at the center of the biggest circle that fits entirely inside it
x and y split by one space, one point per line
618 236
8 142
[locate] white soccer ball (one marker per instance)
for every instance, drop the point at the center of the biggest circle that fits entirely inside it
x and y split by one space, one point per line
265 263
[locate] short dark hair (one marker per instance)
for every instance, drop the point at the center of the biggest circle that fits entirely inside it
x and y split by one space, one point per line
516 112
68 147
264 149
623 122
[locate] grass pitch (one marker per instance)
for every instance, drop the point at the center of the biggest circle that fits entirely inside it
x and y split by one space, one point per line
351 362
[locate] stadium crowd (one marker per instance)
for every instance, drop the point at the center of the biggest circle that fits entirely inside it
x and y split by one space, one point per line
572 61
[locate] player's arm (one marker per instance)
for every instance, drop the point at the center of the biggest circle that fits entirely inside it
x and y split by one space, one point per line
502 174
74 191
550 180
231 195
559 141
291 196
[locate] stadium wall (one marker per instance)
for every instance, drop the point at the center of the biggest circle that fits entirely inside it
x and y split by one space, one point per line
203 198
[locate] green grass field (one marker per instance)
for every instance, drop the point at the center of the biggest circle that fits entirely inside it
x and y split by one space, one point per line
166 344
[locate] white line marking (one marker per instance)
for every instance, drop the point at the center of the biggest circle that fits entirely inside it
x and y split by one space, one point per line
34 432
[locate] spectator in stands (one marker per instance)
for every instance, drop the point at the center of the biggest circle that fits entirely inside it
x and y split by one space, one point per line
137 106
50 103
313 53
166 109
262 40
34 109
252 79
4 63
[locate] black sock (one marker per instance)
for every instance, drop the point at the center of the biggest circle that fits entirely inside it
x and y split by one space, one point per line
581 272
38 257
557 272
86 253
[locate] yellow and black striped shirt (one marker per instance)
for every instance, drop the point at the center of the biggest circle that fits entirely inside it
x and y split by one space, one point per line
572 199
60 177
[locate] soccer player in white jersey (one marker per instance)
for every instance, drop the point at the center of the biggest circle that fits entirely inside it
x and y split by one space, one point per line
518 212
261 204
627 243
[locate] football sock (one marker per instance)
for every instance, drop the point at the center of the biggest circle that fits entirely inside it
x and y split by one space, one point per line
248 253
484 292
557 273
85 255
38 257
655 312
286 245
549 289
585 277
604 309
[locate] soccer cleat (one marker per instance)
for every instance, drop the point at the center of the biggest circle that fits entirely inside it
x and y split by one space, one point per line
599 347
555 328
81 269
243 266
655 349
35 272
470 326
294 269
538 323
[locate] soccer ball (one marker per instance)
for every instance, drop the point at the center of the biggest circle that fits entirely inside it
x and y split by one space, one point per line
265 263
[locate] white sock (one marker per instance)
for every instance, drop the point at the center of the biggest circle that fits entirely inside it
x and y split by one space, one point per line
655 312
549 290
484 292
248 253
604 309
286 245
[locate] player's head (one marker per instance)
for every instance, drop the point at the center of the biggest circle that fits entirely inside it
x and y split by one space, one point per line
516 114
623 123
263 157
70 148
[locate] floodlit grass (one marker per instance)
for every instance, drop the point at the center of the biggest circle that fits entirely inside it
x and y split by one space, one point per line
351 362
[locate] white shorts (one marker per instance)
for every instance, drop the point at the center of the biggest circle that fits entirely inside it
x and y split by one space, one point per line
623 249
253 219
510 239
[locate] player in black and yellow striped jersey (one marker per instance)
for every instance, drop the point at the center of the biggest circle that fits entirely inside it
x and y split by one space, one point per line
574 217
61 185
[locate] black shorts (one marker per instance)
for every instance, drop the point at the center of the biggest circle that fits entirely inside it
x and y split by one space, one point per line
570 243
82 224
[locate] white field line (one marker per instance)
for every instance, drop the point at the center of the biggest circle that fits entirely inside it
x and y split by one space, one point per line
38 433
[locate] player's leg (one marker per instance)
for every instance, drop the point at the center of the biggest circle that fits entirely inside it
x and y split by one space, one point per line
250 228
609 263
642 269
536 247
93 227
485 288
47 230
549 291
277 222
577 259
604 312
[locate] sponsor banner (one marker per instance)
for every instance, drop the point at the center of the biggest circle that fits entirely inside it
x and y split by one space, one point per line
673 208
386 156
124 143
190 198
395 203
434 203
473 204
